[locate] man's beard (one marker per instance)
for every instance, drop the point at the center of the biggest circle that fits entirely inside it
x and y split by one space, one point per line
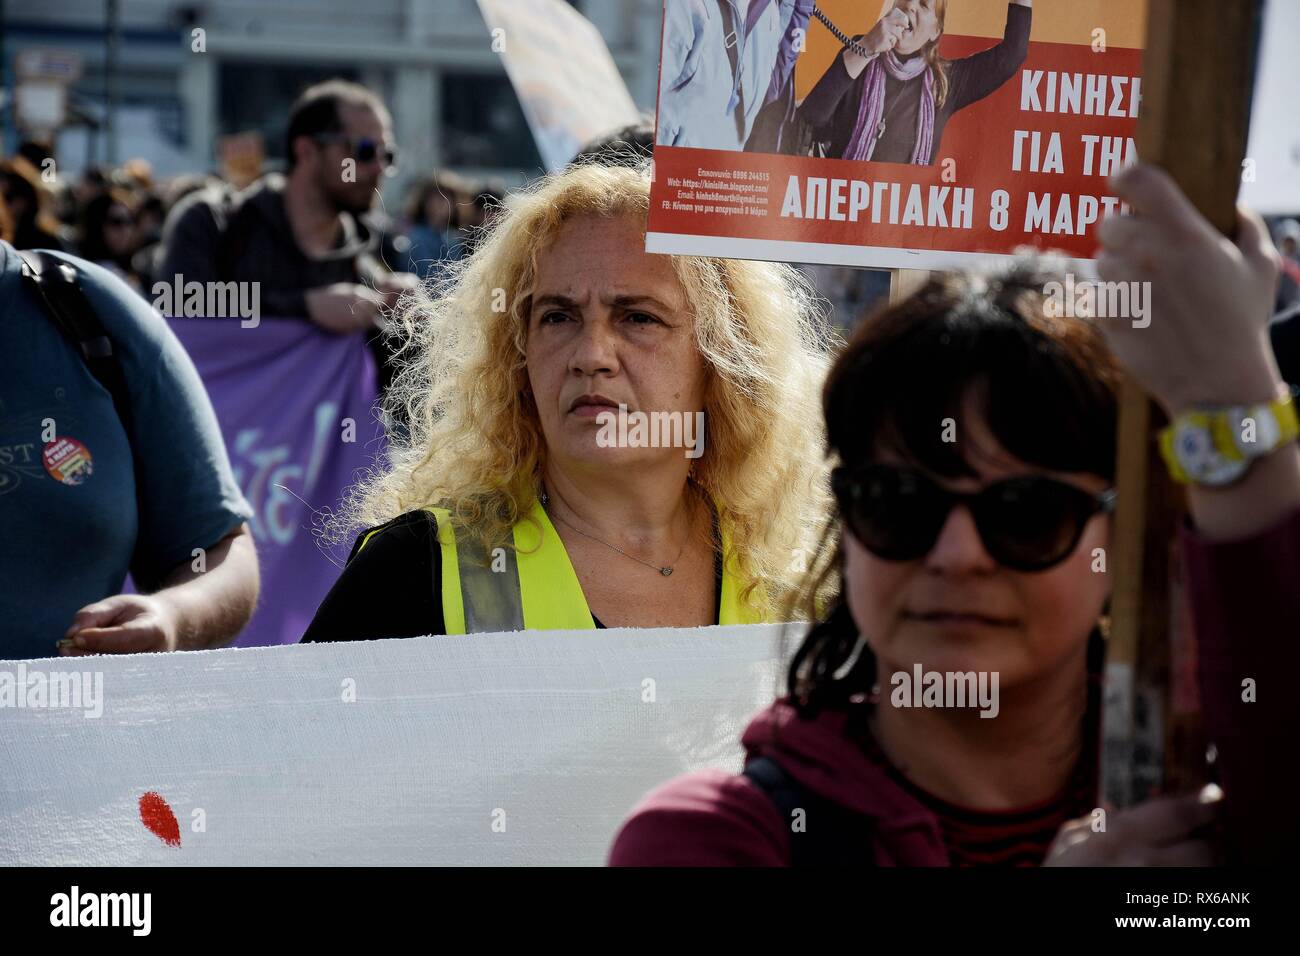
348 197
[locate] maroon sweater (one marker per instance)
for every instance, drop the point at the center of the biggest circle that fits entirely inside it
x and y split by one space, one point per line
1246 601
831 109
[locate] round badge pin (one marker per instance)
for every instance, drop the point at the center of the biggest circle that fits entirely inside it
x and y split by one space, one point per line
67 460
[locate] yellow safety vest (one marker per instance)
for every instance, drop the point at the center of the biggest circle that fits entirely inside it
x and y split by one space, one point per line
538 588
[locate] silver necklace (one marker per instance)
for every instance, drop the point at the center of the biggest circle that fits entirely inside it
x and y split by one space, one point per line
666 570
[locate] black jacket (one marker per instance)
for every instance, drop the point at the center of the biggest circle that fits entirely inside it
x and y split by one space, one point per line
1285 333
218 235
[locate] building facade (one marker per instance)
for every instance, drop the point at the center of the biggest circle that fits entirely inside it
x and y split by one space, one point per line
178 90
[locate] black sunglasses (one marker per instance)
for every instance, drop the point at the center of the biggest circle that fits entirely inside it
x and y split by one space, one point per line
1026 524
363 150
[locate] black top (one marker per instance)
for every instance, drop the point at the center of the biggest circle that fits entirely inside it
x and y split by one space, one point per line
393 588
831 109
1285 333
218 235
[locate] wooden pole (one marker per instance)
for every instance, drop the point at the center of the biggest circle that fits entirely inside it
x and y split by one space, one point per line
1198 71
903 282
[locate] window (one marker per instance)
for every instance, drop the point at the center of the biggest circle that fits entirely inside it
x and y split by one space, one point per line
258 97
483 124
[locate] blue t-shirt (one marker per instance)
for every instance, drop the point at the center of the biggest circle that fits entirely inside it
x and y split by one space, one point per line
70 528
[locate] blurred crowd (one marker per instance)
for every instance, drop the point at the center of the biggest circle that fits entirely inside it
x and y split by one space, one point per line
114 216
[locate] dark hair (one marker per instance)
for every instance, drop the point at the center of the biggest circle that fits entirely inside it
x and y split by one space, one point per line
20 185
317 111
24 180
151 204
184 185
1046 388
630 145
455 188
487 202
94 217
488 196
34 152
6 227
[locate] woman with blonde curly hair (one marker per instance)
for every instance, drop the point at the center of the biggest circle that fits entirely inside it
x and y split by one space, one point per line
553 471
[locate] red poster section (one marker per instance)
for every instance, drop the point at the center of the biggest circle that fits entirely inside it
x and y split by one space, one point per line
1026 166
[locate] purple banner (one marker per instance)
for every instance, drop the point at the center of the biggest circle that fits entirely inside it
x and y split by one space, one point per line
295 407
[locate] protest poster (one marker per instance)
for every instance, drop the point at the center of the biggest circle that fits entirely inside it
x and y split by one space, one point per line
502 749
990 126
295 407
567 83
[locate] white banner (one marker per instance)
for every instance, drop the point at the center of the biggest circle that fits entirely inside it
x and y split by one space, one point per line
567 83
495 749
1271 184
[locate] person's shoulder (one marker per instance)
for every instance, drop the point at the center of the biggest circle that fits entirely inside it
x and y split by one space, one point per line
126 314
396 537
218 203
706 818
686 17
388 587
264 196
207 202
692 9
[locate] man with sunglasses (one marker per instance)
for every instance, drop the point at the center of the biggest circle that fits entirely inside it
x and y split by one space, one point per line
309 237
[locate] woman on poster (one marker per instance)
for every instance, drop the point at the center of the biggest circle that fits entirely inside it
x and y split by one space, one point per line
889 94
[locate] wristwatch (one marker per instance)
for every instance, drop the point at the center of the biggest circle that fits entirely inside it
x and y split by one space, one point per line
1216 446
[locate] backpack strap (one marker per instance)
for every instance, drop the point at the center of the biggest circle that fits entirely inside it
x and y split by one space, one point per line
235 229
731 40
57 284
830 835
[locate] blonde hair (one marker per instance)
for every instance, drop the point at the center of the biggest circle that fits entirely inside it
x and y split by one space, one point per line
468 434
941 67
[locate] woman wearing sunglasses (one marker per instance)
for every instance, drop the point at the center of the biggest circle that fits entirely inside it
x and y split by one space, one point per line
974 437
108 234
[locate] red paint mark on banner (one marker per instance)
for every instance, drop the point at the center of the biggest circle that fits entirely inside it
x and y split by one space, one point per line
159 820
